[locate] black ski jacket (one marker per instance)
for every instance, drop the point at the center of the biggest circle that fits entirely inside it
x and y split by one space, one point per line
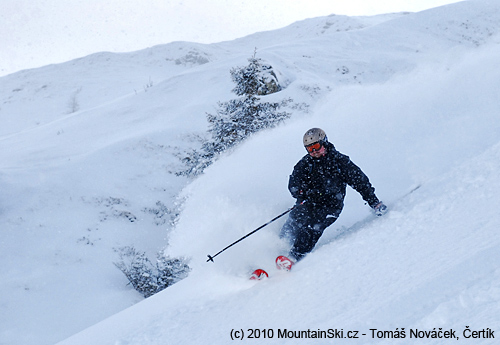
321 182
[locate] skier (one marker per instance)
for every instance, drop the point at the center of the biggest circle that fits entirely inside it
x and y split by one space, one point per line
318 182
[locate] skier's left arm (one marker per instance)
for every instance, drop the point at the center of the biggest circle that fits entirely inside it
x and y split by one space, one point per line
358 180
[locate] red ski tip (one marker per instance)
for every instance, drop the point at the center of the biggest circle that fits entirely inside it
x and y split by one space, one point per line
259 274
284 263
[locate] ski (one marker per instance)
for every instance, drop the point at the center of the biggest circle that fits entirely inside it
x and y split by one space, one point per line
284 263
259 274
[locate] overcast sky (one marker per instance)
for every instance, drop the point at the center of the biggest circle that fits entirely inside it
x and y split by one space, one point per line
34 33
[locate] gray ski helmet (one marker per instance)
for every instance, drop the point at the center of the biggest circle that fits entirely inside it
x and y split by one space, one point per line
314 135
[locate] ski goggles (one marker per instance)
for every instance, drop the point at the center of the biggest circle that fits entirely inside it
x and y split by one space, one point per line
313 147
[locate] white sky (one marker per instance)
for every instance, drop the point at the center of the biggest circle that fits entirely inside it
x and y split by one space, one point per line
34 33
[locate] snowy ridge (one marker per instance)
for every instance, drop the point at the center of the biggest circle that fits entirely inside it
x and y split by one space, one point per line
89 146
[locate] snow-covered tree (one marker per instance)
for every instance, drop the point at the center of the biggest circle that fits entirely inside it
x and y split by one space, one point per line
237 119
258 78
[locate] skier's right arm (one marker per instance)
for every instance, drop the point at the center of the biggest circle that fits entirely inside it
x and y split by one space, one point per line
296 185
295 188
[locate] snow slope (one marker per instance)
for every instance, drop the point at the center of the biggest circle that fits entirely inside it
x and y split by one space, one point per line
87 167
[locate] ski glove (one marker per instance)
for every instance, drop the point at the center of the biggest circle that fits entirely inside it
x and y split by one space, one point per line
380 209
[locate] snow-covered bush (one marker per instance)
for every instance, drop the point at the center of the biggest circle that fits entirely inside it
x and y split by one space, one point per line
147 278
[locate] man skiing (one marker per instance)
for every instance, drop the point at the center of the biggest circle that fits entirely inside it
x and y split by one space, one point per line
318 182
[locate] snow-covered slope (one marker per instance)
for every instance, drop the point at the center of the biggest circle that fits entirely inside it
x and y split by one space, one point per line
370 278
87 161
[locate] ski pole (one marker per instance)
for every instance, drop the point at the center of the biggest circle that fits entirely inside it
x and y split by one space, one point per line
211 258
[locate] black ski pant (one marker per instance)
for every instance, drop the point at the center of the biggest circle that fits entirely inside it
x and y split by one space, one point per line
304 227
